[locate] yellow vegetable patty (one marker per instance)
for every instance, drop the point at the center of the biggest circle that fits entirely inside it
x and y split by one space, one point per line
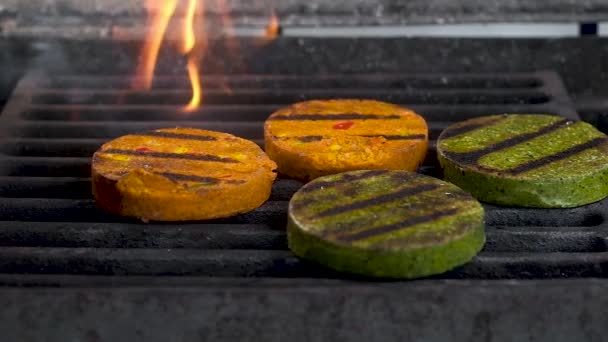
180 174
322 137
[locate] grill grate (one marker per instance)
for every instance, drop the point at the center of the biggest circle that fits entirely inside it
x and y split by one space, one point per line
50 227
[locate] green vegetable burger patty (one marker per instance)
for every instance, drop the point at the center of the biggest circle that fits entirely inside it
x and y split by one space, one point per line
390 224
539 161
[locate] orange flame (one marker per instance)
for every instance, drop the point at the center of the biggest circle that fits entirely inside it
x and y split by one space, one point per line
273 29
188 45
193 74
192 42
189 38
159 14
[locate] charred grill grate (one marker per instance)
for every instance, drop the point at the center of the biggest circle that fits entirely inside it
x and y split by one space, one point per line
51 232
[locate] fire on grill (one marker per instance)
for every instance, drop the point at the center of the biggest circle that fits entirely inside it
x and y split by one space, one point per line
193 41
165 90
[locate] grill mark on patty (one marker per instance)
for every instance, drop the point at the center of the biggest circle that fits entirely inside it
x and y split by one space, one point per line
422 206
315 138
328 117
456 230
176 136
534 164
166 155
310 138
177 177
202 179
344 179
472 157
397 137
407 223
452 132
381 199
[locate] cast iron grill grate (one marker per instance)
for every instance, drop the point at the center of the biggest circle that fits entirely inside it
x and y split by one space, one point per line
49 226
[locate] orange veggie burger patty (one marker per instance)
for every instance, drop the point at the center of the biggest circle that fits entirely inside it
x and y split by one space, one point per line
322 137
181 174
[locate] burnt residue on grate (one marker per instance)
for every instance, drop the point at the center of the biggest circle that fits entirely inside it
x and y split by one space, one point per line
53 124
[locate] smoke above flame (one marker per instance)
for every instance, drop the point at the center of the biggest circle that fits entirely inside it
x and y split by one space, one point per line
158 20
193 40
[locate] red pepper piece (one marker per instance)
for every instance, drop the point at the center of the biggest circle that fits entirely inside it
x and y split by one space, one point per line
143 149
343 125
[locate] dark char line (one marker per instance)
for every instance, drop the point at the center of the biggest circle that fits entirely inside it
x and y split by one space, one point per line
557 156
186 156
314 138
360 235
177 136
344 116
190 178
398 137
193 178
473 157
452 132
426 206
310 138
386 198
346 178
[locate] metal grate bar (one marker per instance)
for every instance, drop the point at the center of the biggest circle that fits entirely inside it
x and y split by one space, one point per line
53 124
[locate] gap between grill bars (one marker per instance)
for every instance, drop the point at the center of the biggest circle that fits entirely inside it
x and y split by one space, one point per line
53 124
